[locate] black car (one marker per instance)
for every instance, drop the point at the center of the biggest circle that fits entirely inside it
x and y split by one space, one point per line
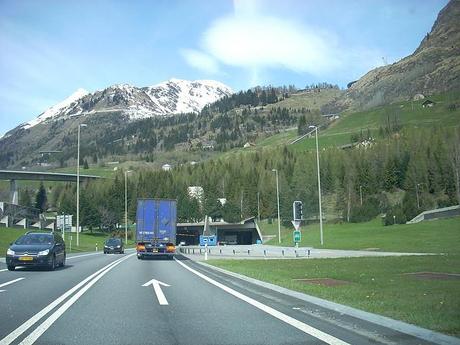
40 249
114 245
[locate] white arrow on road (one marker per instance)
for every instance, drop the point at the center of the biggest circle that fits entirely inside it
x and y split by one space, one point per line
156 287
10 282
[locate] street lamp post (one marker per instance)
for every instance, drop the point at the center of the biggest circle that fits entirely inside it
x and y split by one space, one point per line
416 192
126 205
278 198
258 206
319 186
78 181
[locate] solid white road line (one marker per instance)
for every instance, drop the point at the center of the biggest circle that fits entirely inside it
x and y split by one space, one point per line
79 256
327 338
29 323
10 282
3 270
101 252
32 337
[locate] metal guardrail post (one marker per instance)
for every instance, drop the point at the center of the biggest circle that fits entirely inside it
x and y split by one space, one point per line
265 252
308 252
220 251
282 252
233 251
249 251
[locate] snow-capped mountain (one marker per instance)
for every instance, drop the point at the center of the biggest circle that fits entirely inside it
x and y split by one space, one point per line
57 109
171 97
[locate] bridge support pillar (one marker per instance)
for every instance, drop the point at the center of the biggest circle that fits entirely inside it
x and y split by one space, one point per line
14 198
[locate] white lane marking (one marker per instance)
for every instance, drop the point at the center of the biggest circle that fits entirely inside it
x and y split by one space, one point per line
327 338
157 288
29 323
10 282
32 337
79 256
3 270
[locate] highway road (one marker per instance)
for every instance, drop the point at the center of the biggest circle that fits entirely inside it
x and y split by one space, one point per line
118 299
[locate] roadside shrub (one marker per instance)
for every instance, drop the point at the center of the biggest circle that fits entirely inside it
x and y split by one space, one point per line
394 215
369 210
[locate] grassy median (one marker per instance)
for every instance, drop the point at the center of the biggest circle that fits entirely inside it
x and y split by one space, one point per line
382 285
378 285
440 236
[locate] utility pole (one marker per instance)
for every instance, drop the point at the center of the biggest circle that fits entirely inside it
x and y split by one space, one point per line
258 206
319 186
416 193
78 181
126 205
241 205
361 194
278 198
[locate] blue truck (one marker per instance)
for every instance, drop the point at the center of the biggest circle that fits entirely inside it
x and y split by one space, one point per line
156 222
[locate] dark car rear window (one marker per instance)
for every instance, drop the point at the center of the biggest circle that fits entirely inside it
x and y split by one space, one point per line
113 241
35 239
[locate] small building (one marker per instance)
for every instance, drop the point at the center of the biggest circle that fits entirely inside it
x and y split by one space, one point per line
418 97
208 145
166 167
428 104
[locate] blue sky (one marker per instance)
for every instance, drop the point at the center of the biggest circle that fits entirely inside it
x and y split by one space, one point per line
50 48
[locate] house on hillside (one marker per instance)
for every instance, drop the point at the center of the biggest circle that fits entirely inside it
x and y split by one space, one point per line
418 97
166 167
208 144
428 104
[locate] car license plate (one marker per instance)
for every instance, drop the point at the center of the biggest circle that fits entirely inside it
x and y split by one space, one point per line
154 250
26 258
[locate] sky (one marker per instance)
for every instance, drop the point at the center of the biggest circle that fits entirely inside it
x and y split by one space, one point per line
50 48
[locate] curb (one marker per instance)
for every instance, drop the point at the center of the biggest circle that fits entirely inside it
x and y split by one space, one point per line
380 320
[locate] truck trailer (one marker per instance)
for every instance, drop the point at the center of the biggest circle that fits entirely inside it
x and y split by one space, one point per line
156 228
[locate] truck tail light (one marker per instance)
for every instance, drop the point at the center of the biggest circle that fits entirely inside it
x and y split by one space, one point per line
140 247
170 248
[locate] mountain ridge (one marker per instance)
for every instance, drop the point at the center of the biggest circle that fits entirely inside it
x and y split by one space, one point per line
166 98
434 67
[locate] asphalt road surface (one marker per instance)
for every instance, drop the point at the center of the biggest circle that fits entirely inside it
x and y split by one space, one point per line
118 299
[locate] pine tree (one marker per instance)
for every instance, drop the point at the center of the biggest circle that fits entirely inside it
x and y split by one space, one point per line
41 199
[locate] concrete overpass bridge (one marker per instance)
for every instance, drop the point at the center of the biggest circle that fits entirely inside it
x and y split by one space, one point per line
14 176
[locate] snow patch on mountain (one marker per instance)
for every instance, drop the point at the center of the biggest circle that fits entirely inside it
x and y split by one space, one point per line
171 97
56 109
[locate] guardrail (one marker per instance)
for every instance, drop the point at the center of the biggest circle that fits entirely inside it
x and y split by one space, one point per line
245 252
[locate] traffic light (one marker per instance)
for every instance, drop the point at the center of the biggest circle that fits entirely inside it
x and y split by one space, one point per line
297 210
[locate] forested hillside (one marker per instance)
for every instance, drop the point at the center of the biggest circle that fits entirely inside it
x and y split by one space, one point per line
391 175
231 122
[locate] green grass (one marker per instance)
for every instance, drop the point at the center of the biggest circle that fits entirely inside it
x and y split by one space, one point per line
439 236
409 114
308 100
377 285
87 240
106 171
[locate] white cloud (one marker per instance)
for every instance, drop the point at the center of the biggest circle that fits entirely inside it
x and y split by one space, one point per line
202 61
256 41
